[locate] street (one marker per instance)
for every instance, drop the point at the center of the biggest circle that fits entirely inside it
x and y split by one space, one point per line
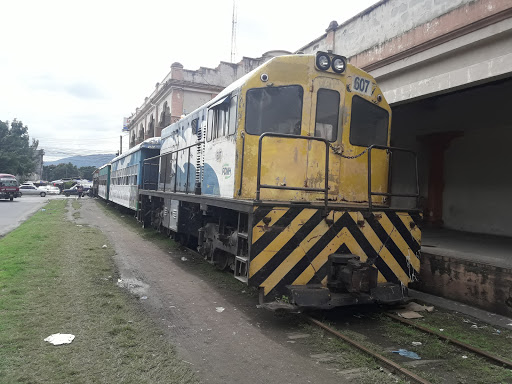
13 213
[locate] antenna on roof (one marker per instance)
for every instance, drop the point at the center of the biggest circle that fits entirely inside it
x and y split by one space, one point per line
233 33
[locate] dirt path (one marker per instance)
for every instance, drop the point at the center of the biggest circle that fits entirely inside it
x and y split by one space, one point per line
241 344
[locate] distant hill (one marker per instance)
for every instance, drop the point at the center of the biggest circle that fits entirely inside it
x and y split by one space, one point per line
84 161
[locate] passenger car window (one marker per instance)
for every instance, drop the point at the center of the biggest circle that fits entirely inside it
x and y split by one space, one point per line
327 113
369 123
274 109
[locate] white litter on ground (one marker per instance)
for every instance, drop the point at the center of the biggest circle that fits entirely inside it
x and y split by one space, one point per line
60 338
416 343
104 246
219 309
184 258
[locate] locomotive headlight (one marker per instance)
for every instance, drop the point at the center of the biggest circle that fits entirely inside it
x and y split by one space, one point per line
323 62
339 64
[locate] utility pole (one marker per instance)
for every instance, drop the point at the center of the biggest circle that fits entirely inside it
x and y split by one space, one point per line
120 144
233 33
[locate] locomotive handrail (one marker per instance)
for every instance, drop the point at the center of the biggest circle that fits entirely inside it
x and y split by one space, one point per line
390 149
259 186
165 173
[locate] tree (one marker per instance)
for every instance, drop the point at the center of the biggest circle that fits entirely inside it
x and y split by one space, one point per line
57 172
16 152
86 172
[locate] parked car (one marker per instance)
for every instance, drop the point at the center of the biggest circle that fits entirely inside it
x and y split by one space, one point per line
32 190
74 190
50 189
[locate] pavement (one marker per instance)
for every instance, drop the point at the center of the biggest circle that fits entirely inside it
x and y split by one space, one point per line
486 249
480 314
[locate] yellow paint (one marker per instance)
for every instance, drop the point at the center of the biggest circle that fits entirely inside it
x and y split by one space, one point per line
260 260
260 228
407 220
383 252
295 256
393 233
296 163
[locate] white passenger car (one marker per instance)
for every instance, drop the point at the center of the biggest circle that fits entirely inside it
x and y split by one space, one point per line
32 190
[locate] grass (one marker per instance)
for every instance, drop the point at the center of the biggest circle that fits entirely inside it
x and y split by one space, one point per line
472 369
56 277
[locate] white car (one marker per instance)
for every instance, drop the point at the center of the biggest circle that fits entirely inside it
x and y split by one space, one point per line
32 190
50 189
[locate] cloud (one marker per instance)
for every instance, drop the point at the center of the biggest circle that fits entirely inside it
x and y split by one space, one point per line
84 91
77 88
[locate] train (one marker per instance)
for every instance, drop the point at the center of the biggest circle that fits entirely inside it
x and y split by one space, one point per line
285 180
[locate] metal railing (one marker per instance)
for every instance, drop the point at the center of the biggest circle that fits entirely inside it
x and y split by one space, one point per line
150 183
259 186
389 194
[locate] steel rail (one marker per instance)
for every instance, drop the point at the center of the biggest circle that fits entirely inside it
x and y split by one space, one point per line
461 344
382 359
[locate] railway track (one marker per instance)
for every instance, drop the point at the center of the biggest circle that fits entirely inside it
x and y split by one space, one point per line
397 368
493 358
390 364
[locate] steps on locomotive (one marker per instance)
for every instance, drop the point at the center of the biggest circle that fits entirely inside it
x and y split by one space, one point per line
241 269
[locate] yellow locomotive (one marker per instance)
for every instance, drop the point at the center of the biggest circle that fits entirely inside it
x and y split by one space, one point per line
284 178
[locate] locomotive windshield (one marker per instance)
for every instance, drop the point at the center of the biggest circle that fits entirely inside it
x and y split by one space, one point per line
274 109
369 123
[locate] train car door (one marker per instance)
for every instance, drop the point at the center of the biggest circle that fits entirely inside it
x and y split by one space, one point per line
326 116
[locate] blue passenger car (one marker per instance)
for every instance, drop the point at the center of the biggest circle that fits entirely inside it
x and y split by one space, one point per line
126 174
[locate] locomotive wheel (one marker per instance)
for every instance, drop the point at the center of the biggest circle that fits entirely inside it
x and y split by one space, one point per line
222 260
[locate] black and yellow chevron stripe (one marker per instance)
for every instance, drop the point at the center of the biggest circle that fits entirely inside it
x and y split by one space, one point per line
290 246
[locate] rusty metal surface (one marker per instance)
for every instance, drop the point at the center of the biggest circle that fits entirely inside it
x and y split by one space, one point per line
487 355
391 364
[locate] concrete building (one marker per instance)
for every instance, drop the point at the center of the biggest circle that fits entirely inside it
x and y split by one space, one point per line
182 91
446 69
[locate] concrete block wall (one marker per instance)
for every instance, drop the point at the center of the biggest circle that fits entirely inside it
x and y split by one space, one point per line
381 22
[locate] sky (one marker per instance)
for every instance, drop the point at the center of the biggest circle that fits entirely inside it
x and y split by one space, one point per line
70 70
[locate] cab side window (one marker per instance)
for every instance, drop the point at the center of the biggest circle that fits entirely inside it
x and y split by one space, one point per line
222 119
